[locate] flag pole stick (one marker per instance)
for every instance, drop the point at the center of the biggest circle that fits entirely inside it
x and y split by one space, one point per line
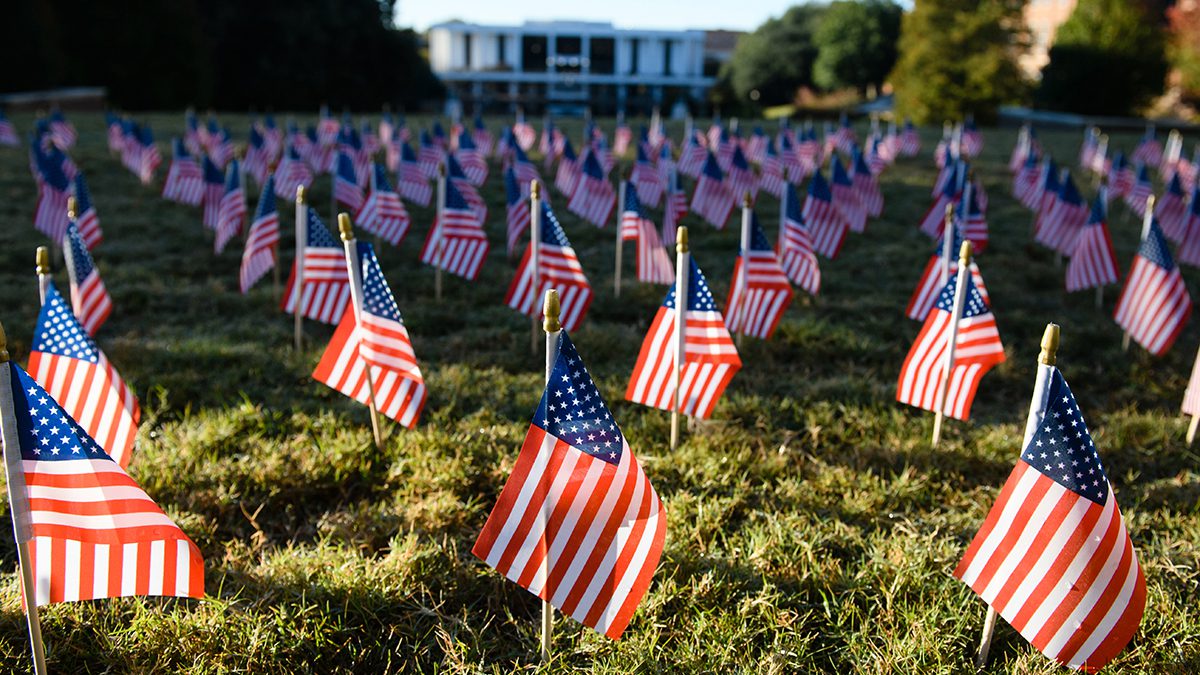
1192 426
619 210
783 201
69 263
741 310
960 296
354 269
550 310
43 272
301 244
535 237
682 270
437 242
947 243
1046 361
1147 218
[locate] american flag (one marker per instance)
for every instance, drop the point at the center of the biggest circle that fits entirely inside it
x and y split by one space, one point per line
1149 150
977 350
647 180
796 254
1087 149
551 142
932 282
262 240
1093 262
62 132
185 180
558 267
808 152
771 177
429 156
472 159
221 148
710 357
1141 191
214 190
594 197
526 170
712 199
756 146
326 290
972 139
1171 209
1059 227
456 242
567 175
970 218
767 290
517 214
578 523
825 221
845 197
383 214
232 211
1053 556
1154 305
789 156
456 176
373 351
88 295
1120 176
78 374
291 173
327 128
8 133
725 146
272 140
933 220
86 218
1189 249
693 157
675 208
50 217
524 134
115 135
740 179
91 530
148 156
192 132
866 187
413 184
910 141
1025 182
346 191
653 263
482 137
622 137
1046 193
257 162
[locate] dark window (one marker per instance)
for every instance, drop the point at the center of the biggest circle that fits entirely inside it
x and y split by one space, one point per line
667 57
568 55
533 53
633 56
501 43
467 51
603 56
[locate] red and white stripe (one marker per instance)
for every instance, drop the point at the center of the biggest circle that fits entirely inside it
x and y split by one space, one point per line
230 215
326 290
413 186
767 295
797 258
712 201
91 302
826 224
1191 396
462 242
710 362
50 217
95 396
258 257
383 214
593 200
977 350
654 265
560 269
185 182
1093 262
925 295
1154 305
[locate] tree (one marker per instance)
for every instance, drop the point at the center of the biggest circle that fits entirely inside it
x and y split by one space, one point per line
770 64
1108 58
959 57
856 43
1184 49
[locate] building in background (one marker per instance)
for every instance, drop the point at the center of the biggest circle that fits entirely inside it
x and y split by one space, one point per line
568 66
1043 17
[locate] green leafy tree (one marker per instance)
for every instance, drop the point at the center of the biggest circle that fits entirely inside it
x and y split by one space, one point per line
856 43
1184 49
770 64
959 57
1108 58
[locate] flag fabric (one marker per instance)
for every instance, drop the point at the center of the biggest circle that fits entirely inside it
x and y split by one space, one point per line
692 158
767 293
1053 557
291 173
326 289
85 214
258 257
594 198
1060 226
257 162
1120 176
50 216
740 179
89 297
712 200
456 177
92 531
346 191
76 373
653 262
796 254
375 342
558 267
1025 182
910 141
412 183
970 219
1141 191
710 357
646 180
1093 262
1154 305
845 197
473 162
456 242
232 210
1189 247
429 156
826 223
383 214
977 350
482 137
578 522
214 190
568 170
866 188
148 157
1046 194
675 208
8 132
1149 150
1171 209
929 288
185 181
517 213
524 133
771 177
622 136
525 170
62 132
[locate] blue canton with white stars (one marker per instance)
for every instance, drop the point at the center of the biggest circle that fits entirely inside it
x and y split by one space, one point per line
45 432
700 298
382 184
568 152
973 302
1154 248
591 167
79 252
455 201
59 333
1099 210
83 196
1067 192
818 188
711 168
233 179
1062 449
840 177
454 169
377 295
758 238
345 168
318 234
552 231
512 191
632 203
573 410
266 202
955 241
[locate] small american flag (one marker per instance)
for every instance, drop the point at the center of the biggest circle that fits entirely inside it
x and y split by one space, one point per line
258 257
1053 556
86 218
825 221
878 157
1154 305
1046 193
1093 262
456 176
767 289
977 350
771 178
796 253
740 179
1025 182
8 132
429 156
592 557
846 198
1189 249
375 342
1171 209
567 175
932 223
724 144
646 180
148 156
524 134
712 200
88 295
472 159
932 282
214 190
1120 176
526 170
675 209
710 357
482 137
77 373
517 213
326 289
756 147
457 242
1141 191
291 173
865 186
413 184
383 214
92 531
1059 227
693 157
910 141
232 210
970 219
1149 150
221 148
558 267
622 137
62 132
346 191
257 162
185 180
594 197
653 263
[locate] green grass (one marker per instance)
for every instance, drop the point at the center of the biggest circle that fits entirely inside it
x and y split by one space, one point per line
811 527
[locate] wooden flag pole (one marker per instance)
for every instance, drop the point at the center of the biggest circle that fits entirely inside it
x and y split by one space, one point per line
960 297
947 243
68 260
1103 197
743 278
535 266
620 209
301 244
783 201
682 270
354 269
43 272
18 501
550 310
437 233
1147 218
1041 387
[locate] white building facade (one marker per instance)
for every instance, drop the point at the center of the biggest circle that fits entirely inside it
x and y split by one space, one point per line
559 65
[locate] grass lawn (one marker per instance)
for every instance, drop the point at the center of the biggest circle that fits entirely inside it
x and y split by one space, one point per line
811 528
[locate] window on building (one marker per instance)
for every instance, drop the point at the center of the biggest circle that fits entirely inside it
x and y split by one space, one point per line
467 51
603 56
568 53
533 53
667 57
633 56
501 44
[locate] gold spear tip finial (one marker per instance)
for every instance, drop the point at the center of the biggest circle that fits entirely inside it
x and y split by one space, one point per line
949 212
535 188
681 239
442 169
300 194
71 207
3 345
746 200
42 259
344 226
1049 355
1150 204
550 310
964 253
